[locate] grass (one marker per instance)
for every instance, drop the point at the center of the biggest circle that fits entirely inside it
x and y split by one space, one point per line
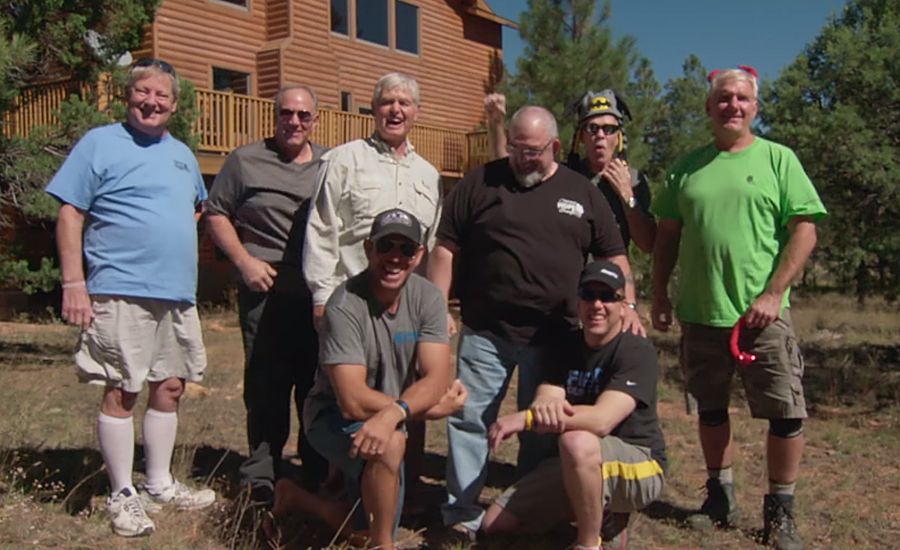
53 486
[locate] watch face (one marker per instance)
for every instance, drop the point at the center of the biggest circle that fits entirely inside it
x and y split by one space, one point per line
632 202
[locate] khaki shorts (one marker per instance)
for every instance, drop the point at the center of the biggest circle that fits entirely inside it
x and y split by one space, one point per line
773 384
132 340
631 481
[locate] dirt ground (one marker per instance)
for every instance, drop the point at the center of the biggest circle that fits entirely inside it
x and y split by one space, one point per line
52 484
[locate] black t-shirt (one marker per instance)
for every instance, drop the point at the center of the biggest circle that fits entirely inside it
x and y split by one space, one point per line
640 188
521 250
627 364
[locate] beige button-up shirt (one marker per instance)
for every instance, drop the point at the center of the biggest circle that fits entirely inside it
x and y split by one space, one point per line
357 181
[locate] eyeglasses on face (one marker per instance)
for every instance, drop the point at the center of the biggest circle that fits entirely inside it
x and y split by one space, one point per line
603 129
305 116
387 245
158 63
606 295
526 152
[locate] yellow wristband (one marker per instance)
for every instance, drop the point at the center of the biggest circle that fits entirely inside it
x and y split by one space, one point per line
529 420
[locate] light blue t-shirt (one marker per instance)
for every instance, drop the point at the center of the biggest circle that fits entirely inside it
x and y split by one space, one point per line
139 195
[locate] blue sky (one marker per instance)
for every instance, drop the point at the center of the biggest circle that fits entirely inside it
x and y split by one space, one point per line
767 34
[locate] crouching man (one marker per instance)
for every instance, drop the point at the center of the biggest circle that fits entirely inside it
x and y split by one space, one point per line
601 398
384 360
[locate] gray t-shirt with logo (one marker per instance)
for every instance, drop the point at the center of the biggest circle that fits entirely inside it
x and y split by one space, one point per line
358 330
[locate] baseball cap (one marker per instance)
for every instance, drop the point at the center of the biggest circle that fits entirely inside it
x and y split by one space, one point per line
602 271
605 102
396 222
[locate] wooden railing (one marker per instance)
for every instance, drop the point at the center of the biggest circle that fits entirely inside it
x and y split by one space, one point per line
226 120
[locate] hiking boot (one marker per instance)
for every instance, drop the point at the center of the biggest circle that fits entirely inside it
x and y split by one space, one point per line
127 515
779 529
615 530
719 509
182 496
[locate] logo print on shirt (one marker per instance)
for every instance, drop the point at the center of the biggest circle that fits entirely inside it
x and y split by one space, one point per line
182 166
582 383
630 383
410 337
570 207
750 180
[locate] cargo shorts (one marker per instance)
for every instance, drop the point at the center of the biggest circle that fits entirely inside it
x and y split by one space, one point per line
773 383
132 340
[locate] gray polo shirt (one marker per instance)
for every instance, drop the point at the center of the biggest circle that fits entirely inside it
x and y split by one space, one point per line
267 199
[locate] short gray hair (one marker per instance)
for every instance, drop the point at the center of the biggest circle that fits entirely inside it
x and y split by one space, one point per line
152 67
531 112
721 77
396 80
290 87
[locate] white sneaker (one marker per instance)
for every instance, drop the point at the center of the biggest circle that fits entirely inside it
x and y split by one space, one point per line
127 515
182 496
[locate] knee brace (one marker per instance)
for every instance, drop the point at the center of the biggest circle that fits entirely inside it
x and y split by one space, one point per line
713 418
786 427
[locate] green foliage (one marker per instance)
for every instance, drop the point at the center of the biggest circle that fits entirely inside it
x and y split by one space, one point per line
42 39
836 105
568 50
681 122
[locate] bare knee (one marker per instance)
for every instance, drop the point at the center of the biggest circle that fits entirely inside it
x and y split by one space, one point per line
165 395
580 448
117 402
394 451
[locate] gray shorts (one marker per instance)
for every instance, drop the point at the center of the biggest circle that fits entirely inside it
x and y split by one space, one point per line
132 340
632 479
773 384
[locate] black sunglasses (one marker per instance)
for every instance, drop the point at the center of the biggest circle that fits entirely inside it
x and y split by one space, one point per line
606 295
604 129
158 63
305 116
407 248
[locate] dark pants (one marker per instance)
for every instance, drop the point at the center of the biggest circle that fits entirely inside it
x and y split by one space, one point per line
281 347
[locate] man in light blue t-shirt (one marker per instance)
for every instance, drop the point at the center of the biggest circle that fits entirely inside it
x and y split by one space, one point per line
129 194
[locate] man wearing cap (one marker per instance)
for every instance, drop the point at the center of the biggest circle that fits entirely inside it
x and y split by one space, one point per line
739 216
384 360
519 229
129 192
600 397
256 214
601 131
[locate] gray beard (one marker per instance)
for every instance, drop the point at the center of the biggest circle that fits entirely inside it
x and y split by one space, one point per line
530 179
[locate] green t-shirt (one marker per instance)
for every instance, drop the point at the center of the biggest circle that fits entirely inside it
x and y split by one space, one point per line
734 209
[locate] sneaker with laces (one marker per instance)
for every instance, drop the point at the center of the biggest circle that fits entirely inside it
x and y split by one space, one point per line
182 496
127 515
780 529
719 509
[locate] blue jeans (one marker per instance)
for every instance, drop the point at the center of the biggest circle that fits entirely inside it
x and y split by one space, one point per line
484 365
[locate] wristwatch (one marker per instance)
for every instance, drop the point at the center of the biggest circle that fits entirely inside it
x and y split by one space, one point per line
632 202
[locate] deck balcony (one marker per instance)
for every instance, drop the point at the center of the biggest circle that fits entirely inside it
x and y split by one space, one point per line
227 120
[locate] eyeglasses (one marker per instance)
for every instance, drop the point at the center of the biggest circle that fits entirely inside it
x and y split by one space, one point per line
604 129
305 116
385 246
158 63
525 152
605 296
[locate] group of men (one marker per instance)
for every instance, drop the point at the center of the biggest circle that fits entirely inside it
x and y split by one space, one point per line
346 260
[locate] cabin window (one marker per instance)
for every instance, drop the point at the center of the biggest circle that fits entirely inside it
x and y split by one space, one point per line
226 80
372 21
340 17
346 102
406 27
241 3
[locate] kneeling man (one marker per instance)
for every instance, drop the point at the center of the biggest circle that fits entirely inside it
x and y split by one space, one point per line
601 398
384 360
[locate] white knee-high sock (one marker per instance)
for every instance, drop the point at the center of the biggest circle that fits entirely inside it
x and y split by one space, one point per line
159 441
116 437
